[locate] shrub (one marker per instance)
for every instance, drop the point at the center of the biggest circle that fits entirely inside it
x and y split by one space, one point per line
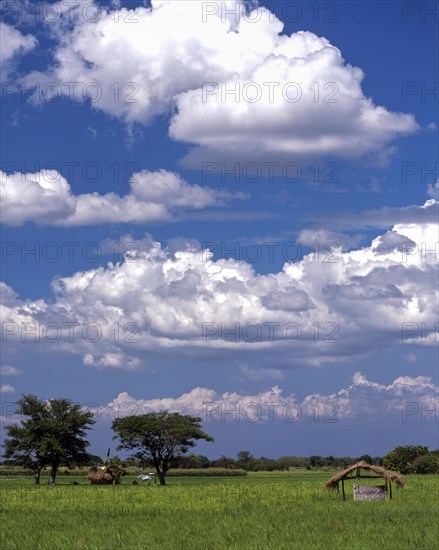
205 472
425 464
116 469
15 471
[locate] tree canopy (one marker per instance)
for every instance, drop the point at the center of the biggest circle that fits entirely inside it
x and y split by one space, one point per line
403 456
51 434
158 437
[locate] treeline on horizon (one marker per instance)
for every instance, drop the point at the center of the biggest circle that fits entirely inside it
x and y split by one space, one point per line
244 460
406 459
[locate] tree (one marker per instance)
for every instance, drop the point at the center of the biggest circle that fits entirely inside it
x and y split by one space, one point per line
264 464
92 460
284 463
329 460
316 461
366 458
190 461
245 460
158 437
425 464
224 462
402 457
52 434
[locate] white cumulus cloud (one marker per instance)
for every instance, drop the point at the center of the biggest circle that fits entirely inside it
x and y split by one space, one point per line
9 370
46 198
360 397
295 94
13 44
310 313
7 388
433 190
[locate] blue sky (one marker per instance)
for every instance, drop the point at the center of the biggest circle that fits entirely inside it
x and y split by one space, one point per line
164 210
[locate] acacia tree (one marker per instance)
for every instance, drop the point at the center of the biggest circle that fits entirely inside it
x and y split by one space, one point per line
52 433
158 437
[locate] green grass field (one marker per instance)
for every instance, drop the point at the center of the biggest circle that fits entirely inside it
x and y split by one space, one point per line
261 511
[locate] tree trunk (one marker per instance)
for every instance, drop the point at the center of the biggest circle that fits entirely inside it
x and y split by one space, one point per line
37 474
161 478
53 472
160 475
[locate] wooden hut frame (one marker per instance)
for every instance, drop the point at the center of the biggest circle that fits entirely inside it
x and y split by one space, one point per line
344 475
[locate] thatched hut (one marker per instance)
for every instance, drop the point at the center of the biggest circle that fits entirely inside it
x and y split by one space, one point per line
354 472
100 475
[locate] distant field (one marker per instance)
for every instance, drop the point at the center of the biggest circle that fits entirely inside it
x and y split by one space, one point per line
273 510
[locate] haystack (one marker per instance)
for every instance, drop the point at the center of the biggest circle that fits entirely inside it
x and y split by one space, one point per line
100 475
343 475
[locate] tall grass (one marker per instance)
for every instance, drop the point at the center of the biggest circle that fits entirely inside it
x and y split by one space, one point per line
255 512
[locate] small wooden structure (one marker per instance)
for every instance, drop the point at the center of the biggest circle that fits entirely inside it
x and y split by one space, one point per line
370 492
366 492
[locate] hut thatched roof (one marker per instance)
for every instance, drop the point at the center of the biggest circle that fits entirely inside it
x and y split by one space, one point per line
343 474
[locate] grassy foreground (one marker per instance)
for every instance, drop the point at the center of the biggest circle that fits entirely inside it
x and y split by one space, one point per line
260 511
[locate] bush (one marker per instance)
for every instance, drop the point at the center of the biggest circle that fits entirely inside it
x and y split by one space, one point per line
73 471
116 469
403 456
425 464
15 471
22 471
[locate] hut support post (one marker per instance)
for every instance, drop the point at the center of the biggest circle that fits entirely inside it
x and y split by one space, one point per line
342 488
390 490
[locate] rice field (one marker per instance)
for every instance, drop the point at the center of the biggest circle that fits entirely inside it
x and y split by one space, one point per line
260 511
